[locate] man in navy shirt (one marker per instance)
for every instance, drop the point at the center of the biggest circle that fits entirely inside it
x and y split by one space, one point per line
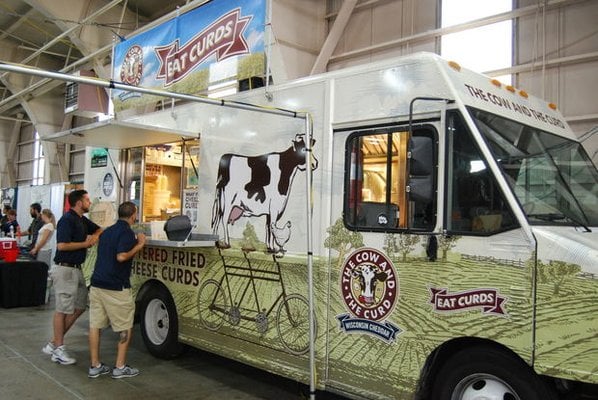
74 235
111 301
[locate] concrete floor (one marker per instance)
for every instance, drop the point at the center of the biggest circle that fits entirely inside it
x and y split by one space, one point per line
27 373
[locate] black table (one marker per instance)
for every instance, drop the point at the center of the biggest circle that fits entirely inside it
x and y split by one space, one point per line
23 283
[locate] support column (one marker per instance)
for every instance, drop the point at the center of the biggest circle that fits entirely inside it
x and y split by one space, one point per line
57 162
11 156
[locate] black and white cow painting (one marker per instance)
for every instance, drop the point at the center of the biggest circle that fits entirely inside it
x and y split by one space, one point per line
256 186
368 277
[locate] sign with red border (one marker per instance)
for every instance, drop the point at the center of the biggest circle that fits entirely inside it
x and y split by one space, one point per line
489 301
369 289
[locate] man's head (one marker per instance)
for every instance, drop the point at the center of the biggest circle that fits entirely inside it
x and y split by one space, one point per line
79 201
35 209
6 208
11 214
127 211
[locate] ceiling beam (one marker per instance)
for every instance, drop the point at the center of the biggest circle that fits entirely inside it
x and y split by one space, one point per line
8 31
435 33
89 18
340 23
21 120
47 52
49 84
45 85
548 63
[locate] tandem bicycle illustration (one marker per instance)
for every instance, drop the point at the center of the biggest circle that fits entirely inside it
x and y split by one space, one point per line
218 302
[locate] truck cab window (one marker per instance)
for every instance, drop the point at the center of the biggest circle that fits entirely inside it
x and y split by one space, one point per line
475 203
552 177
377 176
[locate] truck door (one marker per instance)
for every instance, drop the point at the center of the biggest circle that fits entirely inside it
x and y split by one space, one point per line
384 210
426 252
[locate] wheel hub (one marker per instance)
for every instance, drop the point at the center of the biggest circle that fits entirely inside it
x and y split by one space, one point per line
156 321
484 387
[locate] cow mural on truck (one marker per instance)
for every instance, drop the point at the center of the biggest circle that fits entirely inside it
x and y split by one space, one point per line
256 186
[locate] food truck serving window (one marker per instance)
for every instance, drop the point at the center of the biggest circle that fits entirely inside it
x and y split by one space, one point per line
377 179
170 180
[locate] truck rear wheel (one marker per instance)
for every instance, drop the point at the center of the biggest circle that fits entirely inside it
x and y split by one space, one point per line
159 324
488 373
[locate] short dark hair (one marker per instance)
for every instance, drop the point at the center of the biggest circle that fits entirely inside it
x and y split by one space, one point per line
75 196
37 207
6 207
126 209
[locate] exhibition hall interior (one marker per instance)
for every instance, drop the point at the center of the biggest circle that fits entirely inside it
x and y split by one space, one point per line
364 199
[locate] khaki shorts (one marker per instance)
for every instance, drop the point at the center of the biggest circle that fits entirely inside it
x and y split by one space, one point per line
111 307
69 289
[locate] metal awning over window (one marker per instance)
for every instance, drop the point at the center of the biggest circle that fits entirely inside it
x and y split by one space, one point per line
118 135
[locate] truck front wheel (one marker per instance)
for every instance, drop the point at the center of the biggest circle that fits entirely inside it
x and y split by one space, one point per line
159 323
488 373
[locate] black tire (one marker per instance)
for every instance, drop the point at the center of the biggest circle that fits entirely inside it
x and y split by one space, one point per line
159 323
485 371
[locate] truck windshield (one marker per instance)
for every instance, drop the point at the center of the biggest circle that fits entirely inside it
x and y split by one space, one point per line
552 176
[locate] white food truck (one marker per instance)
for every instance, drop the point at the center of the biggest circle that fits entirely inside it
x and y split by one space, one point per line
453 221
447 224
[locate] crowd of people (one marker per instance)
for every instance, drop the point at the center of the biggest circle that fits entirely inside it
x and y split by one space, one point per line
109 297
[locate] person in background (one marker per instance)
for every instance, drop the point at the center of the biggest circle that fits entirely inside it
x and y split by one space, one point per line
110 298
42 250
35 211
11 221
4 217
74 235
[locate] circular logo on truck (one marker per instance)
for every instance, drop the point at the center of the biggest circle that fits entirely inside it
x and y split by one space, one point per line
369 284
132 67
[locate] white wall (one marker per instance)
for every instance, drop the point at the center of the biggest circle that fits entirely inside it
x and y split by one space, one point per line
381 23
563 34
299 32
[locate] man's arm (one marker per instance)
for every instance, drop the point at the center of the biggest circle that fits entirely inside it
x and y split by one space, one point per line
95 237
122 257
71 246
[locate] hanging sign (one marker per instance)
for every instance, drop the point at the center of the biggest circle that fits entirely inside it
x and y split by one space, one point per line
182 55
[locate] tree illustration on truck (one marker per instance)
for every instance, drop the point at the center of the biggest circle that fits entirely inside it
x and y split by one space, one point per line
342 240
557 273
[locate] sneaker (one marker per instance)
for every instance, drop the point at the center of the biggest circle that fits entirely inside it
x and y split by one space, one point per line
124 372
101 369
48 348
60 356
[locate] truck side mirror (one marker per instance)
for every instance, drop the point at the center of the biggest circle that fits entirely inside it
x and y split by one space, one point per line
420 185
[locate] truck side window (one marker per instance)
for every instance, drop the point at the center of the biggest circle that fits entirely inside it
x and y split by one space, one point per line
376 178
475 203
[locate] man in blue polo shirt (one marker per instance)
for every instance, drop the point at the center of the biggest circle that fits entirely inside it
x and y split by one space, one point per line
111 301
74 235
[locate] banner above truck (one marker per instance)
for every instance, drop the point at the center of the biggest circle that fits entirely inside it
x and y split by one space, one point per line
210 47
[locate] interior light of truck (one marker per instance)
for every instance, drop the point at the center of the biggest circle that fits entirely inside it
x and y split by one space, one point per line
496 82
510 88
552 106
454 66
523 93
